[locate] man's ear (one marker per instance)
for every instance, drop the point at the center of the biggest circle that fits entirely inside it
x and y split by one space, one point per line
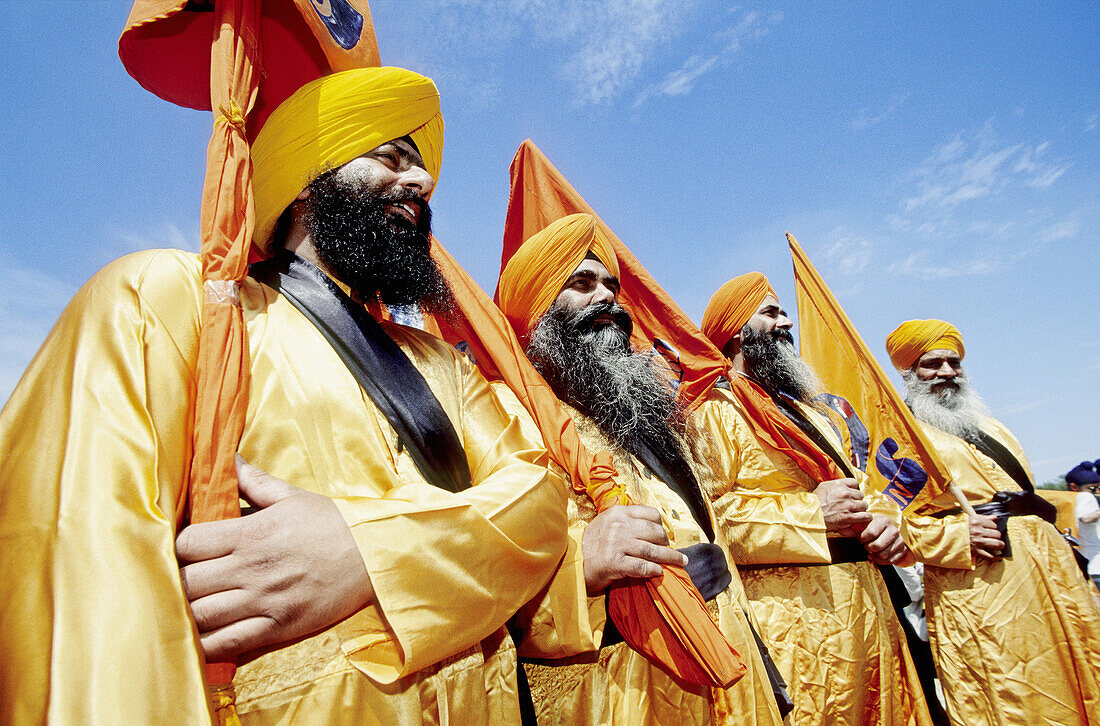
302 195
733 347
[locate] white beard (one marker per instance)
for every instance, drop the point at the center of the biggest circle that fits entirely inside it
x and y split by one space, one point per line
959 412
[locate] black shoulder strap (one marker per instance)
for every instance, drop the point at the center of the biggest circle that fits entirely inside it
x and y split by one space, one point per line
382 369
679 477
1003 458
790 411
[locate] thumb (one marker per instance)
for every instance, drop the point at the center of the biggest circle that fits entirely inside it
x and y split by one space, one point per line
259 487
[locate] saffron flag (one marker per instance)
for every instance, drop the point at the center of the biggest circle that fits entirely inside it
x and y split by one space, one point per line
540 195
664 617
900 461
241 59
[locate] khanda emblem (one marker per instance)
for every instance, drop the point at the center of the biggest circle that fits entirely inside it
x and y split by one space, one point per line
907 478
344 22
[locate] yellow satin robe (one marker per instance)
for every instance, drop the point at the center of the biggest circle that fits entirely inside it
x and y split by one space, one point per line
831 628
94 449
573 681
1016 641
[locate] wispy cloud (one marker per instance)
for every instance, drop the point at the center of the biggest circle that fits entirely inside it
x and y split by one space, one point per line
921 265
724 46
164 235
867 117
1092 122
849 253
31 302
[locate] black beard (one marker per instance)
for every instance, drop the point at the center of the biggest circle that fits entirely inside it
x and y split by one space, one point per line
373 252
771 362
594 370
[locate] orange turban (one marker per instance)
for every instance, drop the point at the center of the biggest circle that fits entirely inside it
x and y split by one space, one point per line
732 306
537 271
330 121
914 338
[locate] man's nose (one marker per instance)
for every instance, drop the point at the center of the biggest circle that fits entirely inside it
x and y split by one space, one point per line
418 179
945 371
603 293
783 322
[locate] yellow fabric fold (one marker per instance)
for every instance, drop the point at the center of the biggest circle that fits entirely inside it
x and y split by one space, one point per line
97 612
913 338
1016 640
831 629
334 119
534 276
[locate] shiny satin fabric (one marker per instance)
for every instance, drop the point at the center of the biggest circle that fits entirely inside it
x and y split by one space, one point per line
95 443
1016 641
831 628
574 681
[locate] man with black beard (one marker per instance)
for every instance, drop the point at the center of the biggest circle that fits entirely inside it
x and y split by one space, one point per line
401 516
1014 628
559 291
804 533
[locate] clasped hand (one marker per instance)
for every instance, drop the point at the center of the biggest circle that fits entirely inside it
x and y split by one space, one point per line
625 541
286 571
845 512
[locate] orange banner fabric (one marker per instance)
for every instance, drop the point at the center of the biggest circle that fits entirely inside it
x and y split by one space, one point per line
901 463
540 195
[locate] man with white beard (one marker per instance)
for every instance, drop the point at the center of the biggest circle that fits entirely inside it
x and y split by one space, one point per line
1014 629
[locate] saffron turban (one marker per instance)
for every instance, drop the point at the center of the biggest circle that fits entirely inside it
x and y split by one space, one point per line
732 306
539 269
332 120
914 338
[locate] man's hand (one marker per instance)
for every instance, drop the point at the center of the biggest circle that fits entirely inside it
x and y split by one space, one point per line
884 543
285 571
843 507
625 541
985 538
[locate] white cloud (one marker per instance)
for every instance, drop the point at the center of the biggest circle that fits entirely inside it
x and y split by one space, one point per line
849 253
865 118
924 265
166 235
1092 121
31 303
724 47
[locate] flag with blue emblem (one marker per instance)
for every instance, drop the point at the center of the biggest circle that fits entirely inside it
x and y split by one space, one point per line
900 462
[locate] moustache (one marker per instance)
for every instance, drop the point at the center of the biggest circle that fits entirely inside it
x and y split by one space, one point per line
408 196
586 319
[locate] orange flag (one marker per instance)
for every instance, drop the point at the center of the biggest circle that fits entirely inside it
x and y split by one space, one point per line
663 617
540 195
901 463
212 55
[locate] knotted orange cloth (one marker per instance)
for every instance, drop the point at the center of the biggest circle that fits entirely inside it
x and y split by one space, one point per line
914 338
664 617
732 306
535 275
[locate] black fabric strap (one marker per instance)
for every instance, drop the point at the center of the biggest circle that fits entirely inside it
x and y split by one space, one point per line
1003 458
382 369
679 477
799 419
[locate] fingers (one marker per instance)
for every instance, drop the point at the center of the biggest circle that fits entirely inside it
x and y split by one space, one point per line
207 540
855 521
221 609
239 637
259 487
204 578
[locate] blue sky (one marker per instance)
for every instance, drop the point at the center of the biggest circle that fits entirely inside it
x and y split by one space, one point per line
934 160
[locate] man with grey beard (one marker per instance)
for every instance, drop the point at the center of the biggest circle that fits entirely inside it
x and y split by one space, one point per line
1014 629
559 291
805 534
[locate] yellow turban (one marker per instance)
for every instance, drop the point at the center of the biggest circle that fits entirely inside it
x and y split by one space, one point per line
914 338
732 306
537 271
332 120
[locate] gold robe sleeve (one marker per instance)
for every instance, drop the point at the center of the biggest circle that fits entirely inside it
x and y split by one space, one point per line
767 518
94 446
561 620
449 569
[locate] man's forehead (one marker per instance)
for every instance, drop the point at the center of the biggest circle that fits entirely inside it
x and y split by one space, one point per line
770 301
591 266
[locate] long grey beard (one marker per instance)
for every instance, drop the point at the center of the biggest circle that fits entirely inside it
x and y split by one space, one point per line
958 412
595 370
771 361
